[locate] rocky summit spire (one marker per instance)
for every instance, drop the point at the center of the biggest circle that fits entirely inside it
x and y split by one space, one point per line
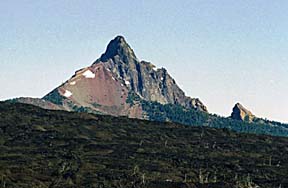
119 48
241 113
118 84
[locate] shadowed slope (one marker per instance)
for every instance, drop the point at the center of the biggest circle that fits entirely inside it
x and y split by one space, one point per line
40 148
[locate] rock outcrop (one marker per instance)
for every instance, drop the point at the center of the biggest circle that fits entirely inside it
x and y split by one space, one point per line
241 113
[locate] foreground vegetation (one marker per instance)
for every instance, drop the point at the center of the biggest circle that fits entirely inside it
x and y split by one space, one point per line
41 148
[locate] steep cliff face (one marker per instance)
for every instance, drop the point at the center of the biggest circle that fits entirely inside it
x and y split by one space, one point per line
106 86
143 78
241 113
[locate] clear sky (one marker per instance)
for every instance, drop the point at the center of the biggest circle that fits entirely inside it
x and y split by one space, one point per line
221 51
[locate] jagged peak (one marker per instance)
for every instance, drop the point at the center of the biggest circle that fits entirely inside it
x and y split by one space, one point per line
241 107
119 47
239 112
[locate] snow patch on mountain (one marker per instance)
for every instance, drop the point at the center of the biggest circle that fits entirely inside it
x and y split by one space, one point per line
89 74
67 94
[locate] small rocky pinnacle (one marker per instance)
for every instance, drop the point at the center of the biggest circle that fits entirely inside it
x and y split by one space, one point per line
241 113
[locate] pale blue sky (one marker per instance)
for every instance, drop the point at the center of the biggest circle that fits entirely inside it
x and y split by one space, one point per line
222 51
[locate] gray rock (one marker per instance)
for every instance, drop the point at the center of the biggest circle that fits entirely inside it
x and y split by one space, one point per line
144 78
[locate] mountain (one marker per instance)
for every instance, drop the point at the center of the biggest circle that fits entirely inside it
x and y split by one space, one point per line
44 148
111 84
119 84
241 113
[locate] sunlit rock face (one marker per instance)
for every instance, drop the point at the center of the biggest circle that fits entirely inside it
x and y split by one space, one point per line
241 113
